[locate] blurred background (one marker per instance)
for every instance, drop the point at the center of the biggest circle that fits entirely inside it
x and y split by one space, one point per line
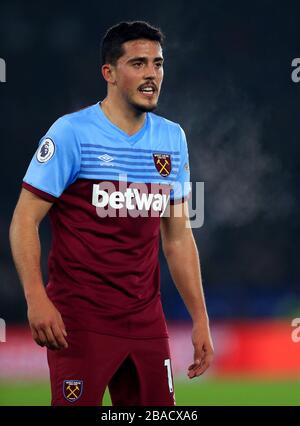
228 83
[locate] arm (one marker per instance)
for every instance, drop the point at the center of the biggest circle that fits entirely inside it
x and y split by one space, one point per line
181 253
45 321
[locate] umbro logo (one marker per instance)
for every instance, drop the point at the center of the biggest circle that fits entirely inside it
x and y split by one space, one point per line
106 158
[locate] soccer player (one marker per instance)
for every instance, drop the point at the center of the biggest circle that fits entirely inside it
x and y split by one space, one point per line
111 177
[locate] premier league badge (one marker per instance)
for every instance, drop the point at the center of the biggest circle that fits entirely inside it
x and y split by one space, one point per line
72 389
45 151
163 164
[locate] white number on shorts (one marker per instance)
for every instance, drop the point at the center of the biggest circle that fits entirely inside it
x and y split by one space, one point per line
167 364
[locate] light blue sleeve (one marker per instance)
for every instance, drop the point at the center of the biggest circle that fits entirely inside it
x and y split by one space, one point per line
182 186
56 162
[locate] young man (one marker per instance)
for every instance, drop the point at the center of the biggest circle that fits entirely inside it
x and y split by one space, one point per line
105 174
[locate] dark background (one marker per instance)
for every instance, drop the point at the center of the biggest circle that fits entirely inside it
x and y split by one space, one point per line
227 82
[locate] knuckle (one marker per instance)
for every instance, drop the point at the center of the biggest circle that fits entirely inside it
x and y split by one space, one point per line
41 325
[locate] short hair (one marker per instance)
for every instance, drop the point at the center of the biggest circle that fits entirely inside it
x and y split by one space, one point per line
112 49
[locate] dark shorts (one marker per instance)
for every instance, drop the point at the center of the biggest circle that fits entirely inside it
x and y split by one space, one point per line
136 371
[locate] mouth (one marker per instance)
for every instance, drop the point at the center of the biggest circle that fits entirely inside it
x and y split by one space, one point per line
147 90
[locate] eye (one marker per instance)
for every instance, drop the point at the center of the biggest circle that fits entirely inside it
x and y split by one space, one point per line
158 64
137 64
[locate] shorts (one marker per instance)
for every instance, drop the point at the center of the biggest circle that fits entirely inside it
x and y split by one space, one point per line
136 371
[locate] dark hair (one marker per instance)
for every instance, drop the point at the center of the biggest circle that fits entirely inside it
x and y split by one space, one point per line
115 36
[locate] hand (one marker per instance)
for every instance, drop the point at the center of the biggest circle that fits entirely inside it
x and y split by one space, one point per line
46 323
203 350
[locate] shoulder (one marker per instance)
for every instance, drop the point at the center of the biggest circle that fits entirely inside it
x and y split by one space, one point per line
81 115
165 124
68 125
74 119
169 130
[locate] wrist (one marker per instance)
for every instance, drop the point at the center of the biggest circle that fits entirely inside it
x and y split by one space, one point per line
35 294
201 320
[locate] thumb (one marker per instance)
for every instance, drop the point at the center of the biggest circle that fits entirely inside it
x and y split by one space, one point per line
197 361
198 354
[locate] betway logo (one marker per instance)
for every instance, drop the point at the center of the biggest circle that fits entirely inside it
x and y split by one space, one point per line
131 199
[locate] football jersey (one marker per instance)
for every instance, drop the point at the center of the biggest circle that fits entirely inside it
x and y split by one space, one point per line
109 191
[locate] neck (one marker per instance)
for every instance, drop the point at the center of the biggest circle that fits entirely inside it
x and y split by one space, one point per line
128 120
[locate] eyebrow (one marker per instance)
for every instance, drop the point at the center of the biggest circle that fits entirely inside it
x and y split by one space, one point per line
145 58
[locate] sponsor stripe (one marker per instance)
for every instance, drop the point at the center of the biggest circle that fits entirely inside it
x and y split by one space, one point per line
118 181
140 163
101 147
89 152
125 169
113 175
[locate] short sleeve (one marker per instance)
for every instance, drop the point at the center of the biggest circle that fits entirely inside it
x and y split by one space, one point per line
56 162
182 187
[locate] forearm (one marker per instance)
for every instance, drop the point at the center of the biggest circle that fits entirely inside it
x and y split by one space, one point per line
46 323
184 266
25 245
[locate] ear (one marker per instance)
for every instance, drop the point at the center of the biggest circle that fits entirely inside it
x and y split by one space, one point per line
108 72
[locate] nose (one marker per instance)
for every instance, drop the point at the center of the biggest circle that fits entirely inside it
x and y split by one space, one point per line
150 71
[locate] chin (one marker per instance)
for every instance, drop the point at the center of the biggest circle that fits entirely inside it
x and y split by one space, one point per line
141 106
144 108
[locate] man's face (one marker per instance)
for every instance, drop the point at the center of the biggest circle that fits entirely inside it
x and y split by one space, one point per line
139 74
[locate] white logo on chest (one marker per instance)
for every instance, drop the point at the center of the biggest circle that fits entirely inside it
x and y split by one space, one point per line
105 160
131 199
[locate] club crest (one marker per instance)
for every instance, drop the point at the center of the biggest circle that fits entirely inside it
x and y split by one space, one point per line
72 389
163 164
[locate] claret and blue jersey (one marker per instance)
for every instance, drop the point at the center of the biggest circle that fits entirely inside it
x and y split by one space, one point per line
108 190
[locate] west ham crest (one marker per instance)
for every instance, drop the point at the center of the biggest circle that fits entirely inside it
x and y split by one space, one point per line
163 164
72 389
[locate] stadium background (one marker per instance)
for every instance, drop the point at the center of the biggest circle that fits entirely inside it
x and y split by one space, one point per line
228 83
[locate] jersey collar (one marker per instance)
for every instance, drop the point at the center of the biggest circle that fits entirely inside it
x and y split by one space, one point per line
129 138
